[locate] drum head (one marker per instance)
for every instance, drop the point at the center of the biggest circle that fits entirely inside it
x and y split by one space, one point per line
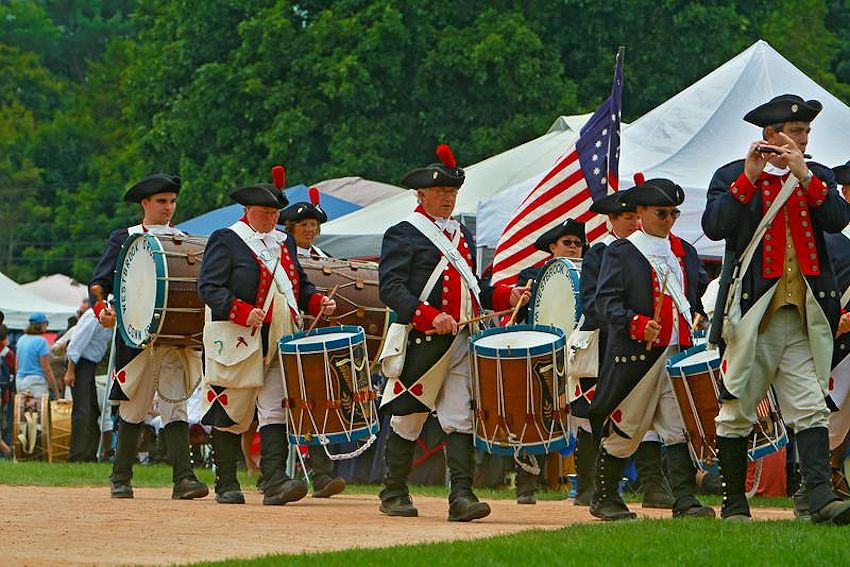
140 288
555 299
694 360
322 338
518 341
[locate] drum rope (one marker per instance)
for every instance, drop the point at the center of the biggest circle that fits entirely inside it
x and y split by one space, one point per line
156 363
692 402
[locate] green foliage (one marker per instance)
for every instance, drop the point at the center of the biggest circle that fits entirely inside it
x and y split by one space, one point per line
97 93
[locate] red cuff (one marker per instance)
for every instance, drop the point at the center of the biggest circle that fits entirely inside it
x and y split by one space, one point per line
239 311
816 193
743 189
502 297
314 306
637 326
423 317
98 307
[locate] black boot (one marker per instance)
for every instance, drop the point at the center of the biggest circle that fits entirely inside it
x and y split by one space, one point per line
526 483
278 488
125 456
460 458
825 506
585 455
325 484
395 497
801 503
186 484
226 449
608 504
732 453
656 494
683 483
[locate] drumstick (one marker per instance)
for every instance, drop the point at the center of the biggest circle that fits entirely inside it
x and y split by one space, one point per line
657 315
522 301
475 319
316 319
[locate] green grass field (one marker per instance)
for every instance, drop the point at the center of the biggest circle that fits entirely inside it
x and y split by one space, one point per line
657 542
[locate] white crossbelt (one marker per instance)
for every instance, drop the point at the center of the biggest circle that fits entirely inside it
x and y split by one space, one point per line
270 257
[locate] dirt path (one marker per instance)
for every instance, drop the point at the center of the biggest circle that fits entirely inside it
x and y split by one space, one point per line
73 526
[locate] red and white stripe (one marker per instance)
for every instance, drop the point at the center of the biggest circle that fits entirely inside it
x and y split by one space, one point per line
561 194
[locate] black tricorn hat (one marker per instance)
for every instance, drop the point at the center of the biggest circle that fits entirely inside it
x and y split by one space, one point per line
303 210
842 174
569 226
260 195
151 185
612 204
784 108
657 192
443 174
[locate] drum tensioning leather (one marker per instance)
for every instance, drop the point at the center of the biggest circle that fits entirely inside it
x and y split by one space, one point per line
156 296
31 427
328 393
556 296
60 430
356 297
695 376
518 378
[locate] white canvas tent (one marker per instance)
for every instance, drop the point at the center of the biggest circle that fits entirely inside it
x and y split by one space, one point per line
18 303
59 288
359 234
689 136
363 192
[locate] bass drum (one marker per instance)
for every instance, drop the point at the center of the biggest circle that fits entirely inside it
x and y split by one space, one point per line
555 296
357 301
31 427
156 290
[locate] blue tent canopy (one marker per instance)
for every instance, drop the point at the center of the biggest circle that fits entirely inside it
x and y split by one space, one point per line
207 223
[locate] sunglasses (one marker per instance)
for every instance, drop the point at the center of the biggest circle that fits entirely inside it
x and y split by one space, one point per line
571 242
664 213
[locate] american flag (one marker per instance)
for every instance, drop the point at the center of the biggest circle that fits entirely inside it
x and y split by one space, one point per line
586 173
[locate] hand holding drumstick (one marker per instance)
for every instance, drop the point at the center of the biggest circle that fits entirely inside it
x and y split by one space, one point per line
653 328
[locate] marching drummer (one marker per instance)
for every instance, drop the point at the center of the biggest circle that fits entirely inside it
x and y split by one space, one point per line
647 293
624 220
302 221
135 376
565 240
789 306
427 276
254 285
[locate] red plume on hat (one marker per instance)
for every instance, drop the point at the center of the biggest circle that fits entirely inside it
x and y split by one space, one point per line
279 176
444 152
314 195
639 178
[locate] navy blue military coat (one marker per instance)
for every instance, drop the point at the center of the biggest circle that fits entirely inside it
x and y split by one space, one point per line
625 289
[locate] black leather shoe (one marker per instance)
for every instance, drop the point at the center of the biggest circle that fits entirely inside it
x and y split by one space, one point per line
189 489
230 497
836 512
399 506
288 491
121 491
697 511
611 509
333 486
526 499
467 508
657 499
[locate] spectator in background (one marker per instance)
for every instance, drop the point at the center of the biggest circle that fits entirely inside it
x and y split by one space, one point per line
7 388
85 351
34 372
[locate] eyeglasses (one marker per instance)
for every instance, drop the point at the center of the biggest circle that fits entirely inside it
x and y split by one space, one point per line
662 214
571 242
